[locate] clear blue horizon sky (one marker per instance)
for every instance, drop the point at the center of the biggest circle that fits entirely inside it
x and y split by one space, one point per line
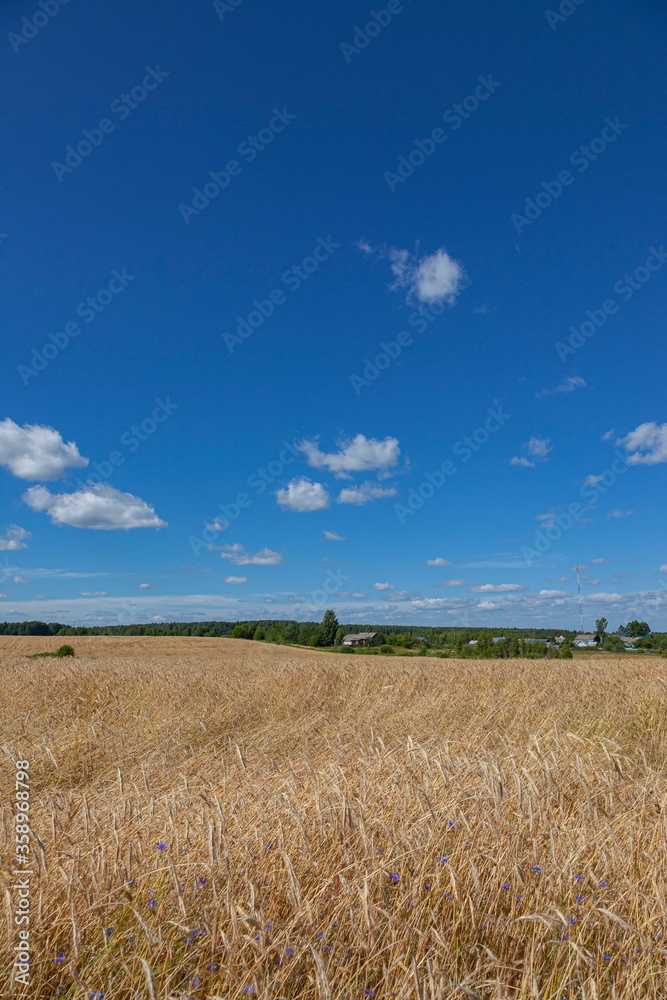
409 263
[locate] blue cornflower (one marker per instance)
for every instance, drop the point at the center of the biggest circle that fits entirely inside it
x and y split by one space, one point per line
248 989
326 947
571 920
536 868
60 958
394 877
269 847
369 993
195 982
444 859
579 878
97 995
161 846
451 825
579 898
604 884
202 880
607 958
289 952
519 896
133 882
108 931
426 885
152 902
214 967
506 885
320 934
379 850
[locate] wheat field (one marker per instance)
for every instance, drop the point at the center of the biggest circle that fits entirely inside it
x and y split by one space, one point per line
222 818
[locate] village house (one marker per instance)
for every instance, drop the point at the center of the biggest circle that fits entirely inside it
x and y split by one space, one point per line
360 639
586 641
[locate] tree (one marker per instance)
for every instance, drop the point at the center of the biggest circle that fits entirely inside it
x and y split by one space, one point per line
601 627
379 640
328 628
340 635
634 629
259 634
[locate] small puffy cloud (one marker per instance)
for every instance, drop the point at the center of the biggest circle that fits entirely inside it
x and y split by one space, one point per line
647 444
434 278
353 597
364 494
384 586
93 593
236 579
554 593
303 495
487 606
537 448
496 588
13 539
37 452
604 598
592 480
608 435
620 513
438 562
331 536
361 454
238 555
663 568
600 561
568 384
20 580
97 506
145 586
451 583
217 524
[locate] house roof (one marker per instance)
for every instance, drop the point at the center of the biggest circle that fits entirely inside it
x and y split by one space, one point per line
360 635
587 635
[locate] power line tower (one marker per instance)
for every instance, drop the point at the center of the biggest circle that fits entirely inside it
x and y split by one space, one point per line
581 613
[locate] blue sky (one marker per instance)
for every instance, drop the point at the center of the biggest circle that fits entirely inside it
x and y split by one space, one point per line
308 306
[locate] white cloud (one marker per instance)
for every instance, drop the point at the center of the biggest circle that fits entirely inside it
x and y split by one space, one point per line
364 494
93 593
602 598
608 435
538 448
238 555
598 562
145 586
451 583
13 539
438 562
568 384
647 444
20 580
236 579
217 524
361 454
354 597
37 452
487 606
554 593
496 588
663 568
97 506
384 586
436 277
620 513
592 480
561 579
331 536
303 495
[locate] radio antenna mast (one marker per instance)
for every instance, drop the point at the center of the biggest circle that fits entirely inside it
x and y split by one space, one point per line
581 613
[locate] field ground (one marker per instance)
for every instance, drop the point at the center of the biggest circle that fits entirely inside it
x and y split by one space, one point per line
224 818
